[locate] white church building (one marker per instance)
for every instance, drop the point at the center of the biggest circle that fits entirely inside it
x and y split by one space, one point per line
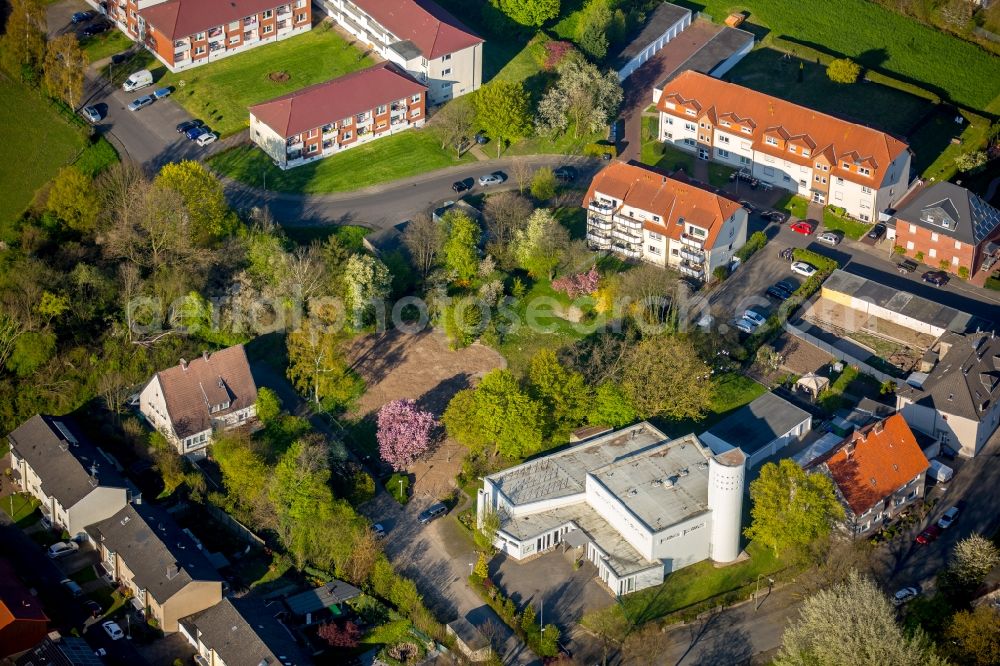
635 503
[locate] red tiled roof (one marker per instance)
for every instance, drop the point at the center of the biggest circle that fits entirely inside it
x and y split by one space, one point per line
824 136
875 462
671 199
335 100
182 18
433 30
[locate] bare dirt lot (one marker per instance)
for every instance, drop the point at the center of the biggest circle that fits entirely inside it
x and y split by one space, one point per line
420 367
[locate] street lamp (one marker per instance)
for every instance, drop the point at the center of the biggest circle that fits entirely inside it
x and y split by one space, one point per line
400 491
756 602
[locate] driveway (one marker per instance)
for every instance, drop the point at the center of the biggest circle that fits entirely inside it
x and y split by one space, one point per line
438 557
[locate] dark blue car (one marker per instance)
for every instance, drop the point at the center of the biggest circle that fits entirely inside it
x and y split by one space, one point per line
80 17
195 132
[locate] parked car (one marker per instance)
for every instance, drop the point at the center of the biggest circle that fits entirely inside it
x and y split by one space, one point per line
877 231
481 138
206 138
113 630
119 58
91 113
803 227
565 174
82 17
777 292
757 318
378 530
748 205
830 237
949 517
745 325
160 93
929 535
137 80
495 178
72 587
188 124
774 216
904 595
432 512
463 185
804 269
906 266
936 278
96 28
93 607
140 103
62 549
196 131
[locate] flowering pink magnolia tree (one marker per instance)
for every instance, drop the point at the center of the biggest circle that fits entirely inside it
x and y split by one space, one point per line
581 284
404 432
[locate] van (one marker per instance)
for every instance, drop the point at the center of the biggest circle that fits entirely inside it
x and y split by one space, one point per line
72 587
940 472
137 80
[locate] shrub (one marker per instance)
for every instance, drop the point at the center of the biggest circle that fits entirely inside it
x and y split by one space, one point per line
555 52
720 273
963 272
757 240
843 70
971 162
581 284
599 149
543 184
898 249
919 256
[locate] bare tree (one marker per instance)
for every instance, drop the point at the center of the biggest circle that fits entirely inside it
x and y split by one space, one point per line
521 170
453 124
114 389
305 272
65 65
506 213
423 238
364 552
650 289
492 633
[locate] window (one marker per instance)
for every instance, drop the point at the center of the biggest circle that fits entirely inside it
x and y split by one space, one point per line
300 4
690 112
362 117
913 228
695 231
792 149
690 142
446 57
771 141
805 153
235 25
313 147
267 13
840 181
198 50
846 165
235 39
909 245
347 136
654 236
864 217
745 160
769 159
346 121
745 145
724 123
382 108
769 171
299 18
958 245
934 237
838 196
199 36
866 190
267 29
954 261
865 205
654 250
723 138
415 99
932 253
803 183
671 105
722 153
446 71
704 125
656 218
414 113
864 171
667 120
690 127
746 130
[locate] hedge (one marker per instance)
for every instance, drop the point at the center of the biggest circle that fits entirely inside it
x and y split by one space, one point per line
756 241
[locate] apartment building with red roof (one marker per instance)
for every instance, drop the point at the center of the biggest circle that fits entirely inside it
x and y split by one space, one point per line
879 472
419 36
825 159
640 213
187 33
329 117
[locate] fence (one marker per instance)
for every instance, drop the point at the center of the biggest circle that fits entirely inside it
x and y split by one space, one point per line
240 530
840 350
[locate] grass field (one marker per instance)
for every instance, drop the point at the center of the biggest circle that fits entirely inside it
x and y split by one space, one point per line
219 93
853 229
34 130
105 45
794 205
24 507
934 152
877 39
390 158
655 153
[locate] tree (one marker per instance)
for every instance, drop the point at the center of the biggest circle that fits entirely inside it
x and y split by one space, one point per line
502 108
973 559
317 367
404 433
592 28
543 184
65 65
663 376
768 358
530 12
300 492
497 413
611 407
611 626
582 96
202 194
245 475
30 352
482 568
368 282
344 635
454 124
463 321
520 169
563 394
23 44
843 70
958 13
971 162
791 508
852 624
73 199
268 405
460 252
506 213
976 636
539 247
423 238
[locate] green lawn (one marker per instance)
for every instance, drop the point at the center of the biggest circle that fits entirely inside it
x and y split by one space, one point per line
22 509
390 158
853 229
732 391
548 330
219 93
30 122
794 205
934 152
398 485
84 575
656 153
105 45
718 174
700 582
878 39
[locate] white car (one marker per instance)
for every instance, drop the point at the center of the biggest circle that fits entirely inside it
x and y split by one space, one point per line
91 113
491 179
904 595
745 325
62 549
948 518
113 630
757 318
829 237
804 269
206 139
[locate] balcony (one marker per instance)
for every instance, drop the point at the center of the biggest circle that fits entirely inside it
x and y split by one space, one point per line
627 252
692 269
598 223
693 241
626 237
599 242
601 208
693 256
629 222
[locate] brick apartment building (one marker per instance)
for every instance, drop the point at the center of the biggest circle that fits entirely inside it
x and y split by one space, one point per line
639 213
419 36
951 228
329 117
823 158
187 33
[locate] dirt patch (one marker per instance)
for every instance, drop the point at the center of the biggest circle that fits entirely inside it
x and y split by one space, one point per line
800 357
279 77
420 367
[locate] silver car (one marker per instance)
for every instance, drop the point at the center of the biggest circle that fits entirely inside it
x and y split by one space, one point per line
495 178
829 237
91 113
140 103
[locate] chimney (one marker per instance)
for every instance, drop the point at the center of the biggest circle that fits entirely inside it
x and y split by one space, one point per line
184 364
879 427
204 355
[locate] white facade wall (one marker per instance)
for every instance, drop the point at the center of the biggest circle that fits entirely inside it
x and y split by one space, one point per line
219 54
868 307
685 543
964 435
609 507
100 504
725 499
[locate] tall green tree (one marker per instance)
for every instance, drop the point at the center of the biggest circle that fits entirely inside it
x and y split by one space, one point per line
583 96
663 376
461 245
367 281
592 28
65 65
317 367
975 636
611 407
498 413
564 395
22 48
211 218
541 246
503 110
530 12
792 508
245 475
73 199
301 495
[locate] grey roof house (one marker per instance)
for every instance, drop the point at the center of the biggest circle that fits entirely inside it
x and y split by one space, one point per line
759 429
325 597
955 396
243 632
76 482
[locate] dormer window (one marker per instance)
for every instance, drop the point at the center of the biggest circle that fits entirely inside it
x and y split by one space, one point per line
220 407
846 165
690 112
724 123
805 152
670 105
864 171
771 141
792 149
746 130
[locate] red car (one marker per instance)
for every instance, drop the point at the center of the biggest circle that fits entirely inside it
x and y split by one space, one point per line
928 535
803 227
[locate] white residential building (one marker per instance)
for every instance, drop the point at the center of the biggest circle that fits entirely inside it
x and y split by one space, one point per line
638 213
825 159
635 504
420 37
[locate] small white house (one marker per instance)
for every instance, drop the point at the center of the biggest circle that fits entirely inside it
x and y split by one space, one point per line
759 429
191 400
